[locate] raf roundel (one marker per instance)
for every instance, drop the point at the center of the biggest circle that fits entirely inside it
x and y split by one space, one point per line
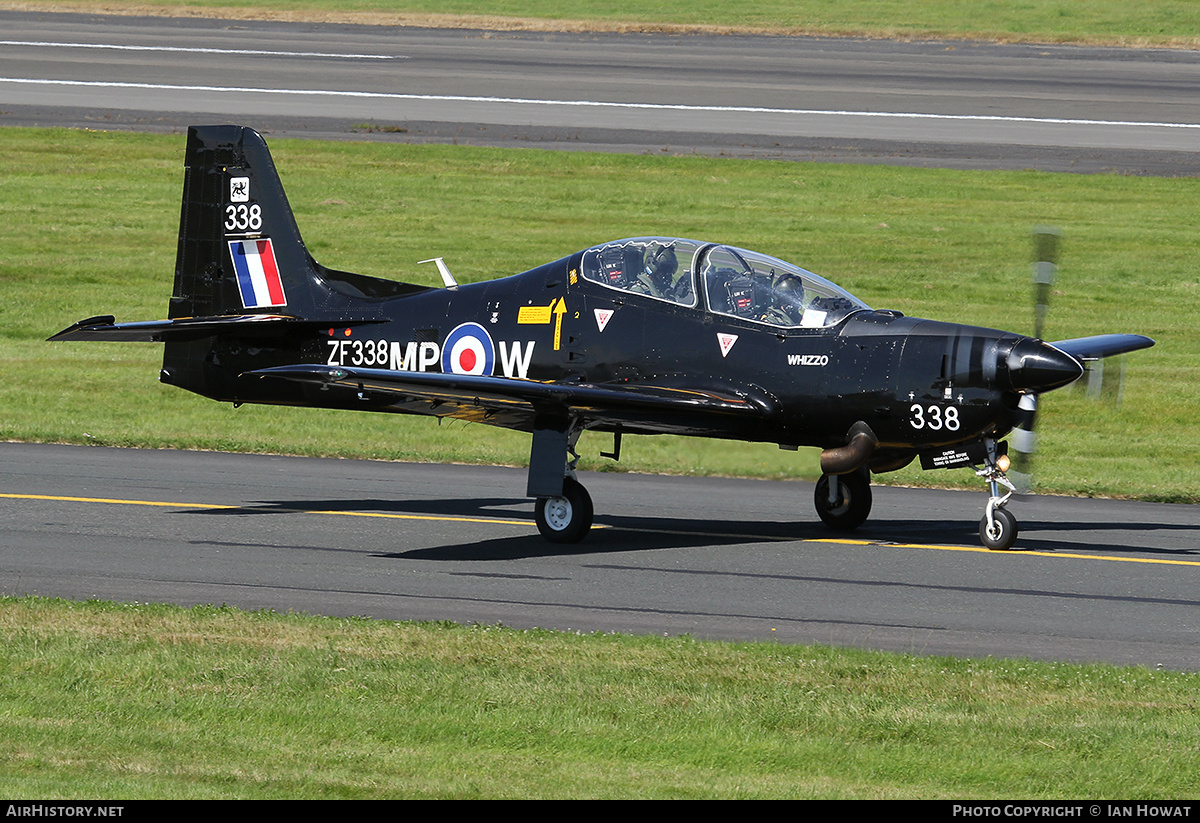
468 350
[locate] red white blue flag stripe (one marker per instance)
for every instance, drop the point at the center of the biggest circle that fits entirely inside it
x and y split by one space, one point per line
257 275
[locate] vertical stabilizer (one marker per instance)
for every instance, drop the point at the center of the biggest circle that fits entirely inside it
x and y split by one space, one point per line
240 254
240 251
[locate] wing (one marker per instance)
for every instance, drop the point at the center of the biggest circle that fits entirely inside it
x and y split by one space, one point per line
514 403
1103 345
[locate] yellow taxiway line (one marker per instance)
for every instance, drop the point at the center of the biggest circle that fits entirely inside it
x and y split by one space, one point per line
748 537
215 506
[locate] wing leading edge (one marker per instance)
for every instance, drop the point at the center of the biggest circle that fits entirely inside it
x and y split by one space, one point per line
633 406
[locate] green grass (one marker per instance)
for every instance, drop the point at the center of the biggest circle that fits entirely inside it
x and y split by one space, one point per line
88 223
147 701
1153 22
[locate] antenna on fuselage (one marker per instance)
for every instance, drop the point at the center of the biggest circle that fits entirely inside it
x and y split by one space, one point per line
447 277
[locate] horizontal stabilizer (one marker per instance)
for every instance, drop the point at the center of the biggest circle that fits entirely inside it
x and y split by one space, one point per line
1102 345
194 328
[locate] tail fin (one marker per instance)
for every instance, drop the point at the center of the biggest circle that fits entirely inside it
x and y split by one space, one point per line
247 294
240 250
243 272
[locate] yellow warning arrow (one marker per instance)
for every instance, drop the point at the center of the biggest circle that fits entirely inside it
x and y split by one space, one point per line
559 309
540 315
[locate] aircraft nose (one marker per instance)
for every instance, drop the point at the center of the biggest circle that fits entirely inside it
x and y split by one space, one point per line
1035 366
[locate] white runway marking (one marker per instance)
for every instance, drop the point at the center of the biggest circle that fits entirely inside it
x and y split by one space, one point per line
256 52
599 104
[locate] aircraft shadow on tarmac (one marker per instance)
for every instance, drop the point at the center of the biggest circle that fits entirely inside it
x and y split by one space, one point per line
477 507
612 533
615 533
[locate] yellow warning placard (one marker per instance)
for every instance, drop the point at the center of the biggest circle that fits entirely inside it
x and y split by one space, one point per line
534 315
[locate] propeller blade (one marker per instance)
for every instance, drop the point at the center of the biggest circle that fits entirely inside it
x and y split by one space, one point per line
1045 265
1097 362
1104 381
1023 442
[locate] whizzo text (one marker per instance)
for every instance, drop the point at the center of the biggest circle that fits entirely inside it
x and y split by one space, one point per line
514 357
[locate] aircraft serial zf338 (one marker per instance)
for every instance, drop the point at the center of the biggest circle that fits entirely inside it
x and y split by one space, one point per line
647 335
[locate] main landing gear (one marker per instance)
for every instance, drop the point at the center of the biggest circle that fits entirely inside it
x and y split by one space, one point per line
565 519
998 528
843 501
564 508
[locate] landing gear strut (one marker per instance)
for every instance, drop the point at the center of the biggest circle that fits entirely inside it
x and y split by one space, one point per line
564 508
998 528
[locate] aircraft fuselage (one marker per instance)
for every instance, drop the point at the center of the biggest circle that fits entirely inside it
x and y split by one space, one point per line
919 383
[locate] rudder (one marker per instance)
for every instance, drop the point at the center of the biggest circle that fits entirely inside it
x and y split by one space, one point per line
240 250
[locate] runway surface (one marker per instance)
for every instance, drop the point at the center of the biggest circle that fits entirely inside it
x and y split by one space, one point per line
967 105
715 558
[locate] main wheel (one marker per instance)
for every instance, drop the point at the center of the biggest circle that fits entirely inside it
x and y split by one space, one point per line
1003 534
853 502
565 519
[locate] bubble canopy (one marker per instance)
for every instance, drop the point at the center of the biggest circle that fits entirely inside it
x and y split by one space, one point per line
722 279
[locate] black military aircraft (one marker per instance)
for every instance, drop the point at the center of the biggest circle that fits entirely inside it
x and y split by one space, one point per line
646 335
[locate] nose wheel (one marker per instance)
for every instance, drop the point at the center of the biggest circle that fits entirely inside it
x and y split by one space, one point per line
998 527
999 530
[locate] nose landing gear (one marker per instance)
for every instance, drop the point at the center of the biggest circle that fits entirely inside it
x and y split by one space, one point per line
998 527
